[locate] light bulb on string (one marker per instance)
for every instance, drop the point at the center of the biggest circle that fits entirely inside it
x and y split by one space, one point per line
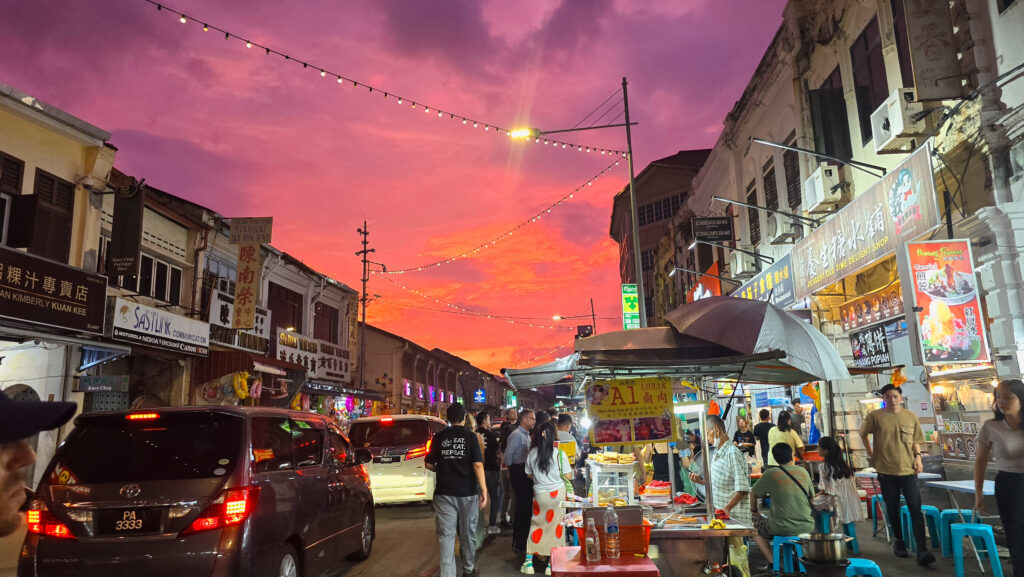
248 44
322 73
183 20
206 28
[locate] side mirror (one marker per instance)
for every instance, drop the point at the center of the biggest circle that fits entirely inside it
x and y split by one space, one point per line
363 456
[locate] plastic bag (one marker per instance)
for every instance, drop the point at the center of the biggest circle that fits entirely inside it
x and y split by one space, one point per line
738 557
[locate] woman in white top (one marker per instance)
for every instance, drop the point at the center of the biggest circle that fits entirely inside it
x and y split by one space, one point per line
836 478
549 468
783 433
1003 438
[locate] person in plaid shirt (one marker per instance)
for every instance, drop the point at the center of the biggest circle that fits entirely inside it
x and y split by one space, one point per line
730 473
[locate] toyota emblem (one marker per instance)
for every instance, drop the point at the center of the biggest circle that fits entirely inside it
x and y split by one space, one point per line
131 490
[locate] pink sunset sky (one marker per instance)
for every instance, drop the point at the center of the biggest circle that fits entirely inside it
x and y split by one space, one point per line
248 134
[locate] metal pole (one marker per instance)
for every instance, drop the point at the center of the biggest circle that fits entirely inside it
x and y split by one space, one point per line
634 214
362 327
593 317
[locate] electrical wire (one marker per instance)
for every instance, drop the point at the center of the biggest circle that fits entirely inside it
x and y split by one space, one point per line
596 108
342 79
542 355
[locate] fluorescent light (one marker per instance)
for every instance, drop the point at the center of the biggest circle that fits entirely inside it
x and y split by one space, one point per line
689 408
673 273
692 244
958 370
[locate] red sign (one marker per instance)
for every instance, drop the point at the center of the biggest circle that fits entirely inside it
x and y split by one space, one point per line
945 293
707 286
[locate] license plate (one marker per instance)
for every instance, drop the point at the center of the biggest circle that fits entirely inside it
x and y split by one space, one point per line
129 521
386 459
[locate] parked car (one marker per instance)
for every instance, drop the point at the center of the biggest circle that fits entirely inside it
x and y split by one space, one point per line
219 491
399 444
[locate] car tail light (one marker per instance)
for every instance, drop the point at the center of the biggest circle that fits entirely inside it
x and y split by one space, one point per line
231 507
418 452
142 416
386 420
42 522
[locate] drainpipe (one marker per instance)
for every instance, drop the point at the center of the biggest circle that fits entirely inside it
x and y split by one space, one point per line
197 278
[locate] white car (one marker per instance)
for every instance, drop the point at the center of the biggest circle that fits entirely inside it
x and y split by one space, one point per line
399 444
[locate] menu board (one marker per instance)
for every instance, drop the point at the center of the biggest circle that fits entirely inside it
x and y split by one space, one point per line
873 308
945 291
870 347
631 411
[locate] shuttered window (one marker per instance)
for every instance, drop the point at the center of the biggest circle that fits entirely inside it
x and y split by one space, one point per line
11 171
870 84
51 233
326 323
791 170
753 215
771 188
828 117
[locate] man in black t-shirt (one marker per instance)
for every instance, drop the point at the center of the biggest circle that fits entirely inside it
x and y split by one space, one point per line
761 432
456 459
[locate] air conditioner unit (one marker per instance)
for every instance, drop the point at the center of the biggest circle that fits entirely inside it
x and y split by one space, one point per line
893 127
823 191
222 284
742 265
782 229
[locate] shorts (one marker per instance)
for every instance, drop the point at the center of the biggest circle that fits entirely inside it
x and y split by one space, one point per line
762 527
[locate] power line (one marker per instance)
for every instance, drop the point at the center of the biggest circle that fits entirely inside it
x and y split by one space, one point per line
492 242
343 79
542 355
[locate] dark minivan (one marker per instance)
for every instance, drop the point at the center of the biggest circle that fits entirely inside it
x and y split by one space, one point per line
211 491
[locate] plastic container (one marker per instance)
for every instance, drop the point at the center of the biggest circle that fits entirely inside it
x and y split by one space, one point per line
633 539
592 541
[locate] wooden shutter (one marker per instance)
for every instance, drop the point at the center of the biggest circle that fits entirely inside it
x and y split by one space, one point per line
51 237
791 170
11 171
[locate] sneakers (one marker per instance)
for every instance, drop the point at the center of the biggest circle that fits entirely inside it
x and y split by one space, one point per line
474 573
493 530
899 549
547 570
527 568
925 558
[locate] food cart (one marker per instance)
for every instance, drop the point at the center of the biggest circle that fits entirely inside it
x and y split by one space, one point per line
687 541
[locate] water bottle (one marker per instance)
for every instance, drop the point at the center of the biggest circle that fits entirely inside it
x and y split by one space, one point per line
592 543
611 533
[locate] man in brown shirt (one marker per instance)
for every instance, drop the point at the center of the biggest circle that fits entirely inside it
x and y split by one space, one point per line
896 456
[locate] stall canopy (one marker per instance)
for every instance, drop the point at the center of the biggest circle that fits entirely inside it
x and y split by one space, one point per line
221 363
717 337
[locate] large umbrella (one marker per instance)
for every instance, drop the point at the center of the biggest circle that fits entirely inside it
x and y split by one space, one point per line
752 327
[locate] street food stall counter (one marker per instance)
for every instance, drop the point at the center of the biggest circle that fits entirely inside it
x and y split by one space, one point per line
688 550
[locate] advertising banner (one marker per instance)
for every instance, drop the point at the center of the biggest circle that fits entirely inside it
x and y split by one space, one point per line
247 287
256 339
102 384
631 411
137 323
44 292
124 254
901 206
630 307
707 286
479 396
945 291
879 306
324 361
871 347
774 285
716 229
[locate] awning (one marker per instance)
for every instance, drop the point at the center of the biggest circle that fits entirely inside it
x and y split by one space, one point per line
314 387
557 372
95 352
221 363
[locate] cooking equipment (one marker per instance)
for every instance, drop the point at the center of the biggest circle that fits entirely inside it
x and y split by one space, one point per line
825 569
824 547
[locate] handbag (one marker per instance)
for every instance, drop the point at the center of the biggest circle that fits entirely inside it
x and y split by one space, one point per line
561 474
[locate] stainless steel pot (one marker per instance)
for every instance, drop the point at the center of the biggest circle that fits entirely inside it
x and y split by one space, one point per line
824 547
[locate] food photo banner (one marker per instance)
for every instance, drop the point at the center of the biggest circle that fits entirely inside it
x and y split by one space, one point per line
901 206
879 306
948 309
631 411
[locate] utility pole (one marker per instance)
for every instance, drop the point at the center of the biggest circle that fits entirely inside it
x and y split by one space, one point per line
365 253
593 317
634 212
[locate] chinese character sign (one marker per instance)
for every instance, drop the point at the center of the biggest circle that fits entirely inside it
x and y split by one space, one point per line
870 347
946 296
774 285
631 411
247 288
899 207
43 292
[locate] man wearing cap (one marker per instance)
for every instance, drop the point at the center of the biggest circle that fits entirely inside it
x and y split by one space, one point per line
19 421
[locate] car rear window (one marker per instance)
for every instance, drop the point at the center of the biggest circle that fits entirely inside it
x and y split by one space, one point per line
396 433
170 447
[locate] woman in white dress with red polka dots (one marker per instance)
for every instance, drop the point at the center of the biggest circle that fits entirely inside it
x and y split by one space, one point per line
547 467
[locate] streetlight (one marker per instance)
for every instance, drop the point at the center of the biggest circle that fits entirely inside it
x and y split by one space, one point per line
758 256
633 206
593 317
814 222
733 281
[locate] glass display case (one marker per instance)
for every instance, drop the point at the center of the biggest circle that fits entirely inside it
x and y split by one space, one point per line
960 409
610 484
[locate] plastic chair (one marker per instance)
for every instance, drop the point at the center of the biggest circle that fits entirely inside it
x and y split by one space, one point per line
946 518
785 548
863 567
824 520
960 530
932 519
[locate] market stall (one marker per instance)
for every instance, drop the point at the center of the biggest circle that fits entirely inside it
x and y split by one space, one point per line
715 338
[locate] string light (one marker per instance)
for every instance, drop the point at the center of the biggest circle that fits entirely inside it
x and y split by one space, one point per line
507 233
456 309
542 355
324 71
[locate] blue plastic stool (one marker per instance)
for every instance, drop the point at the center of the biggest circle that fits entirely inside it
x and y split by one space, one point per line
932 519
960 530
946 518
878 502
787 546
824 519
863 567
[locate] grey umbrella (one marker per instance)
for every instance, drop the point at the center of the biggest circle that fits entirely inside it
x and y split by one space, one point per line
752 327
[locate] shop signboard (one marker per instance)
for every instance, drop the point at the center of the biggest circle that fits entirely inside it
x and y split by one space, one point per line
945 292
630 307
407 388
256 339
323 360
433 394
153 327
761 399
125 246
774 285
102 384
44 292
901 206
251 230
707 285
631 411
419 391
716 229
876 307
871 347
247 286
480 396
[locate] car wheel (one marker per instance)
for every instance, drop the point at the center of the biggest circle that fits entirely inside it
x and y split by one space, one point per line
289 564
365 537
